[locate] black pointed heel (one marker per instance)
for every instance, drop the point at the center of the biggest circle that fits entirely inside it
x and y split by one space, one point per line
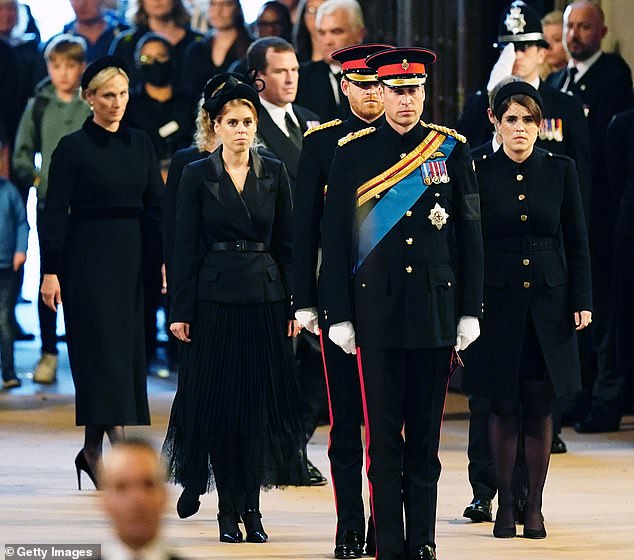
228 526
188 503
81 464
252 519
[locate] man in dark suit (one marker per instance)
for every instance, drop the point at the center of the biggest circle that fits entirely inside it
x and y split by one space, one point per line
603 81
281 123
345 450
339 24
281 126
402 276
134 496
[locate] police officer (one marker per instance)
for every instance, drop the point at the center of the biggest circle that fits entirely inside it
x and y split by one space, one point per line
402 265
564 128
345 450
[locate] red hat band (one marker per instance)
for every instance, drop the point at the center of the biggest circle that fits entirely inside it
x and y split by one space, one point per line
401 69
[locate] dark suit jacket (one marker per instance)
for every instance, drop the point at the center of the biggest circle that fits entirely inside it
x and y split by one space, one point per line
605 89
281 145
316 157
549 283
619 145
475 125
315 92
209 210
419 279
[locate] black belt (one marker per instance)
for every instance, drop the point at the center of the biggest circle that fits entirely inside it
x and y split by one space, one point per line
527 244
241 245
113 213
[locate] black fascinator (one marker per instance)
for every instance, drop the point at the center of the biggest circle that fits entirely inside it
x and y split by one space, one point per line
230 85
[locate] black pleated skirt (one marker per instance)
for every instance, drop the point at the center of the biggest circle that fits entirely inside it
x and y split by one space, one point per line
236 408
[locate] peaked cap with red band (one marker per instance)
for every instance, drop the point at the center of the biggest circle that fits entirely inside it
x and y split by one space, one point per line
402 66
352 60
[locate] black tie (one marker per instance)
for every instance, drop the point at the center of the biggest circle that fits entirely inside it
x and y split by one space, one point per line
294 133
572 72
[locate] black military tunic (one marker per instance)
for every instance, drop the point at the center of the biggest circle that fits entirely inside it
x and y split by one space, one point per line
404 300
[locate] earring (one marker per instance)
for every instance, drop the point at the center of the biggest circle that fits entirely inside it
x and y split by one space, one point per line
92 108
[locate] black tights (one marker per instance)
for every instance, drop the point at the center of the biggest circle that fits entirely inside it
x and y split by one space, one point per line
503 436
93 440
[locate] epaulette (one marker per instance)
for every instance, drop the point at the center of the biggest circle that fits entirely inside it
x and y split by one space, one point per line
329 124
354 135
445 130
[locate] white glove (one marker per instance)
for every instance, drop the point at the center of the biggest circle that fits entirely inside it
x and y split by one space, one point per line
308 318
468 331
342 334
503 67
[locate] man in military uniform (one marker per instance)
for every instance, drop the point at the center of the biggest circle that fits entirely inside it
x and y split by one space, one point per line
402 265
345 450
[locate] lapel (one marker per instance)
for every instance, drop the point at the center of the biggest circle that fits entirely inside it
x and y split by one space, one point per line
227 195
257 192
278 142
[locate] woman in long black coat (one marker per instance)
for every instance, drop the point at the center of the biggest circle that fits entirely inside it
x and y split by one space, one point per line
235 423
537 293
102 179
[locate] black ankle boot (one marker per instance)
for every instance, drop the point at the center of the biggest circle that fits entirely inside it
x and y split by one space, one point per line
228 526
252 519
188 503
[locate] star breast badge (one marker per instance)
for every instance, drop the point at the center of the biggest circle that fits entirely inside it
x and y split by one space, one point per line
438 216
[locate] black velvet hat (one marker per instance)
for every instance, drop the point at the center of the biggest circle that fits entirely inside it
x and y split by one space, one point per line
520 23
227 86
100 64
517 88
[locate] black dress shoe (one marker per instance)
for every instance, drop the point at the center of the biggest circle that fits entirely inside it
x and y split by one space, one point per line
252 519
596 424
315 478
370 539
479 510
228 527
188 503
558 446
351 546
427 552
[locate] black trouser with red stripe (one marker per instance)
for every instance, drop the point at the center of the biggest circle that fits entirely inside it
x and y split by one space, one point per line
345 449
403 388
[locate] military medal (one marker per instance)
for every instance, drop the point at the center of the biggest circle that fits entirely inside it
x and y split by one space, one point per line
559 130
436 173
444 176
426 168
438 216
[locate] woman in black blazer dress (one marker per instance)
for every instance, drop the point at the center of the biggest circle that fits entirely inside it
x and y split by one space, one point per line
235 423
537 293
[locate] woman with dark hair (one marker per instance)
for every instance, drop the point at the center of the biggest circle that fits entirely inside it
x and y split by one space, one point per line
226 42
169 18
103 182
274 20
537 294
305 31
235 423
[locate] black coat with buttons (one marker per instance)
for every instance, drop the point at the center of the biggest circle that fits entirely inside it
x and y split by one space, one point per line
537 263
416 283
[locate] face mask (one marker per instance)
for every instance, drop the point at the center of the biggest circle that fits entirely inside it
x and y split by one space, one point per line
157 73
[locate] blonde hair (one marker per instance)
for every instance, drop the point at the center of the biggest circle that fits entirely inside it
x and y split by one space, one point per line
204 137
102 77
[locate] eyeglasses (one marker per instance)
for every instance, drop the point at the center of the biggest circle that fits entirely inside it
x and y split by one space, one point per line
149 59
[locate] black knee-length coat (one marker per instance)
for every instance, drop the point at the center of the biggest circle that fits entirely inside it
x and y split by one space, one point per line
536 262
100 186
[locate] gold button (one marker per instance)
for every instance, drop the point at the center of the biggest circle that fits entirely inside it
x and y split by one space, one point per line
521 197
377 196
526 262
437 195
408 269
520 177
409 241
403 155
408 213
523 217
363 285
527 284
